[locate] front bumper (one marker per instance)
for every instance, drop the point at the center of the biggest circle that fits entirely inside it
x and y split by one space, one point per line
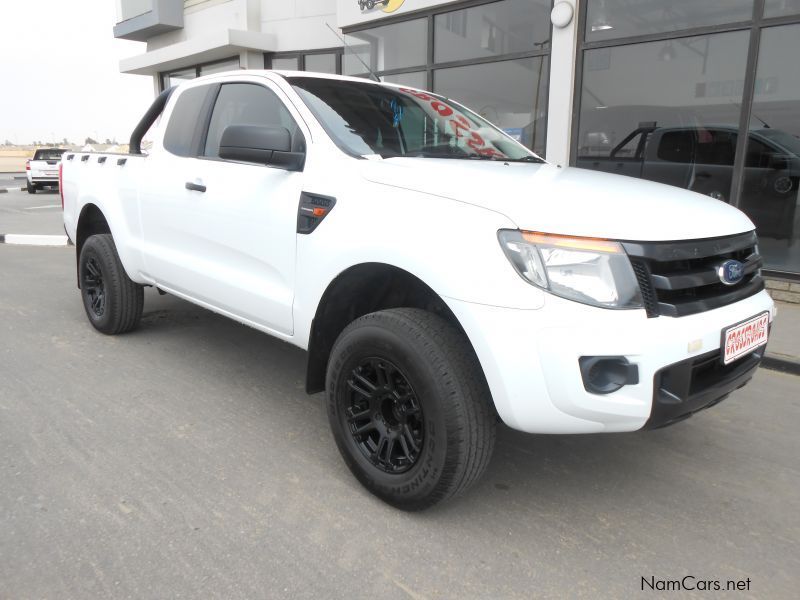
531 362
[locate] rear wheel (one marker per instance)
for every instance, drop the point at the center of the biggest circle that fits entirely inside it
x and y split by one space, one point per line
31 188
409 407
113 302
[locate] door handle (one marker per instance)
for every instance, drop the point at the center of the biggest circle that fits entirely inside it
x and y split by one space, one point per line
195 187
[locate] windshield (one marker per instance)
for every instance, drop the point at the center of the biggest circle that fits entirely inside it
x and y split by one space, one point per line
366 119
48 154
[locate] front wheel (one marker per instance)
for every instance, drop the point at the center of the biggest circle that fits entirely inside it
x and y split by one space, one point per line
113 302
409 407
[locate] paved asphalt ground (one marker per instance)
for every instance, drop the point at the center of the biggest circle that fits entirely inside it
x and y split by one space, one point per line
21 212
184 460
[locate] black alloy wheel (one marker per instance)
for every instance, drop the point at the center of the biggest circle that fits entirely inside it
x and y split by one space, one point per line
409 407
113 302
384 415
93 287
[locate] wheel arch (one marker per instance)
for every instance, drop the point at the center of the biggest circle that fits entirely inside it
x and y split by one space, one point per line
357 291
90 222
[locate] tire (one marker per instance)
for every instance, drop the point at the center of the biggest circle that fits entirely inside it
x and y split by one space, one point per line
31 188
409 408
113 302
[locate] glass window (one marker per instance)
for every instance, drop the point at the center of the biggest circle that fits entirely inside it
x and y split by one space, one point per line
182 136
417 79
368 118
667 111
492 29
175 77
220 67
769 193
321 63
609 19
289 63
247 104
387 47
779 8
511 94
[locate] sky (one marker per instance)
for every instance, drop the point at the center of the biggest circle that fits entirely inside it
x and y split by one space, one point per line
59 73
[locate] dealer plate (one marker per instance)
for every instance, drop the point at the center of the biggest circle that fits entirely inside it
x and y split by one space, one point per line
744 337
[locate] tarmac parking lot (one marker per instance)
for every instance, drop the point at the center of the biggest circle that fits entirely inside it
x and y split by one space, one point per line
185 460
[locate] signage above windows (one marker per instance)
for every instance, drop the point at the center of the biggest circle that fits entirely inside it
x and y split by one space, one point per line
355 12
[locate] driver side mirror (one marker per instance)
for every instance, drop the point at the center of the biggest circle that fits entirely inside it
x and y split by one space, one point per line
264 145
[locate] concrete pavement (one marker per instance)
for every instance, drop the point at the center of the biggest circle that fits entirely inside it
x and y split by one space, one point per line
185 460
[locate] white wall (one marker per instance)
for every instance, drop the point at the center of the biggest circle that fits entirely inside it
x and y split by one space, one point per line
300 24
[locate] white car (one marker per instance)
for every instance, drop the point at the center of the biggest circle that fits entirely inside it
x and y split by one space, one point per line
42 169
439 274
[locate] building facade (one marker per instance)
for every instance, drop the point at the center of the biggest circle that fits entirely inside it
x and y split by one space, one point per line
701 95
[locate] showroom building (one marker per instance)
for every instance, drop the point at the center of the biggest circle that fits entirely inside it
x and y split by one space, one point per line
659 89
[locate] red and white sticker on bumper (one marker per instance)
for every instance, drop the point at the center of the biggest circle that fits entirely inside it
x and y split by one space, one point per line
744 338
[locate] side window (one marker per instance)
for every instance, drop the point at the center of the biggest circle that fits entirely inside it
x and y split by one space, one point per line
676 146
249 104
183 133
715 147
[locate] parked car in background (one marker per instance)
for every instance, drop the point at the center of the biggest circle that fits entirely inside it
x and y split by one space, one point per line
42 169
701 157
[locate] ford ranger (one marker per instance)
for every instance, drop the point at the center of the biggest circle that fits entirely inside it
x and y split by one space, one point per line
440 276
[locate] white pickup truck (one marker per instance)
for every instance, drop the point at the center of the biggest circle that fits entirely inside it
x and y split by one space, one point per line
439 274
42 169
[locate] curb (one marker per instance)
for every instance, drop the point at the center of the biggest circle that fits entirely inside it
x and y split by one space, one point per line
34 240
780 363
11 189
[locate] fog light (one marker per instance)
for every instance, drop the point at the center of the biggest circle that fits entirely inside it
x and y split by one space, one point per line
606 374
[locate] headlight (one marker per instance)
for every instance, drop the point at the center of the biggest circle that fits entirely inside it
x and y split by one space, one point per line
588 270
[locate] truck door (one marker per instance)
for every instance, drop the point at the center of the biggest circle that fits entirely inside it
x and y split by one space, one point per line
224 233
669 157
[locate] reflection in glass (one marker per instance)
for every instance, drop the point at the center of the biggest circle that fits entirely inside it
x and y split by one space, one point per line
220 67
610 19
417 79
285 63
321 63
772 163
492 29
387 47
780 8
512 94
665 111
174 78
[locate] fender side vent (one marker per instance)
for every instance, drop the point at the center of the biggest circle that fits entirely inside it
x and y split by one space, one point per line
312 210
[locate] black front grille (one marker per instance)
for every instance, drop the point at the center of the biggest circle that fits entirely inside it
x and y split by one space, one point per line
680 278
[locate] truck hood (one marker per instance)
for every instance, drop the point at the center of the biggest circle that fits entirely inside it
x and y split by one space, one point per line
543 197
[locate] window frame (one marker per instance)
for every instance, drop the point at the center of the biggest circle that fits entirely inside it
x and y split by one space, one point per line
755 26
300 55
209 115
430 64
163 75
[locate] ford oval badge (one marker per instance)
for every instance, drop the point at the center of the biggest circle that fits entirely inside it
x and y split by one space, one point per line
730 272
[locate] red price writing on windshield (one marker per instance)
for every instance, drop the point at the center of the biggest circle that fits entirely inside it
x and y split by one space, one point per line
459 124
